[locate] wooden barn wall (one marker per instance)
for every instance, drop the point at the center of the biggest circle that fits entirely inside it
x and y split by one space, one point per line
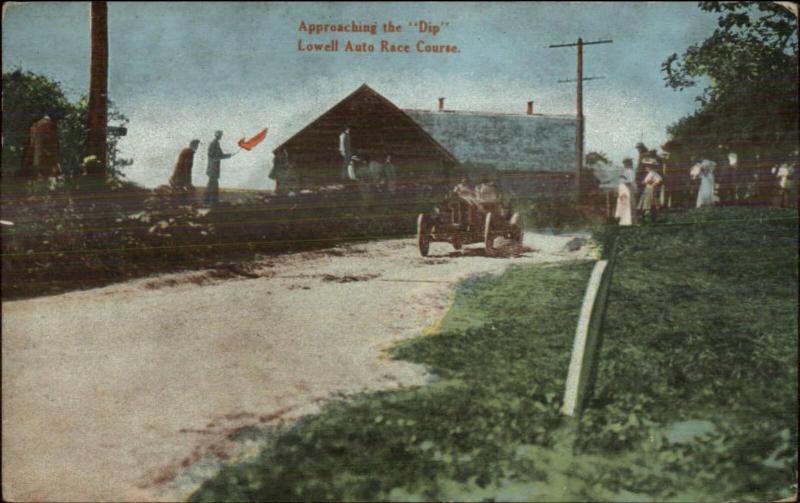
376 129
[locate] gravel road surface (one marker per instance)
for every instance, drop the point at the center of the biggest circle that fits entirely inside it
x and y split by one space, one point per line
109 393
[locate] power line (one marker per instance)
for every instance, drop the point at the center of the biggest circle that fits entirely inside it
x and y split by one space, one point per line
575 80
579 129
580 42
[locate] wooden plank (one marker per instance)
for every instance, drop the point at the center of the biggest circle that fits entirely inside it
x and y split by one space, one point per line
586 336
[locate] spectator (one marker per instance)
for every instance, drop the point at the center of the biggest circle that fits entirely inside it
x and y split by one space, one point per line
648 204
705 171
390 174
626 194
785 175
181 179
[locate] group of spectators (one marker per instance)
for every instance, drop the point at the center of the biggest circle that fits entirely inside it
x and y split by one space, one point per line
655 184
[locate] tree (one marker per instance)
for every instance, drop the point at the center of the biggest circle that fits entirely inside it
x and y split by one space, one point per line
594 158
97 116
601 168
749 64
26 98
75 124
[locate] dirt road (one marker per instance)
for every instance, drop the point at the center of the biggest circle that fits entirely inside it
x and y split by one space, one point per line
109 393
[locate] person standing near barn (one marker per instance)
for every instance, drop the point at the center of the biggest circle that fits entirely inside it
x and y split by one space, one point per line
382 175
215 157
367 173
345 151
390 174
284 172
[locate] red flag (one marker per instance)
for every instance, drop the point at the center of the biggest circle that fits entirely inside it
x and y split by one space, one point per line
252 142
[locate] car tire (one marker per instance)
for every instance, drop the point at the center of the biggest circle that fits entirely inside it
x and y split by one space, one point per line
516 228
423 234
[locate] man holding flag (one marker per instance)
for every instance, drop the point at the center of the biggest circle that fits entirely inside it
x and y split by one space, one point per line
215 157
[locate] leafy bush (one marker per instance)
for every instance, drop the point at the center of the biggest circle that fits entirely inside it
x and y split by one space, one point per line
27 97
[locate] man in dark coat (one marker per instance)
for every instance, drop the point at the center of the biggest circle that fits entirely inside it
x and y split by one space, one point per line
181 179
215 156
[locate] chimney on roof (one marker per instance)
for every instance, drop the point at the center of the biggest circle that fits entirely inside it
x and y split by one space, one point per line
530 108
441 104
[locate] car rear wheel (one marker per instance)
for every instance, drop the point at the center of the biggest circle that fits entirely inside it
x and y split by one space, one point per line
516 228
423 234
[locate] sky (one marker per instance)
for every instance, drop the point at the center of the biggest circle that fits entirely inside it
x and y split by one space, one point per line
182 70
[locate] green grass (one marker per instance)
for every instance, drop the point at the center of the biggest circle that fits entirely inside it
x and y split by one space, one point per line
695 398
701 328
501 355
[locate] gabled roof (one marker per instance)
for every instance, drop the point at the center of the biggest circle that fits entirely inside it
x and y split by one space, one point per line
365 90
516 142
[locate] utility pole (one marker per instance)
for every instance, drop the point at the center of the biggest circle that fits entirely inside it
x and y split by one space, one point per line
97 113
579 129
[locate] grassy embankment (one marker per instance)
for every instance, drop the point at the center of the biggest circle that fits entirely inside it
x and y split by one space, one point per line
696 393
697 383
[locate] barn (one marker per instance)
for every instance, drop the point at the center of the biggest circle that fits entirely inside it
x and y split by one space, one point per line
526 151
377 128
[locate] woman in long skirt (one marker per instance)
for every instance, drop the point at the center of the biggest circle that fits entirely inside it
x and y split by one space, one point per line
626 195
648 203
705 171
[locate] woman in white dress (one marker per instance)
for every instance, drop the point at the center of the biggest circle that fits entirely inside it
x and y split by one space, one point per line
705 171
626 194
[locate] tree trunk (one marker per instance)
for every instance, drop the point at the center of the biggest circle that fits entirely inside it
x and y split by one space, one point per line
98 89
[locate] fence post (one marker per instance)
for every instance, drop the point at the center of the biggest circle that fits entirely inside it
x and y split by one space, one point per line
587 333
